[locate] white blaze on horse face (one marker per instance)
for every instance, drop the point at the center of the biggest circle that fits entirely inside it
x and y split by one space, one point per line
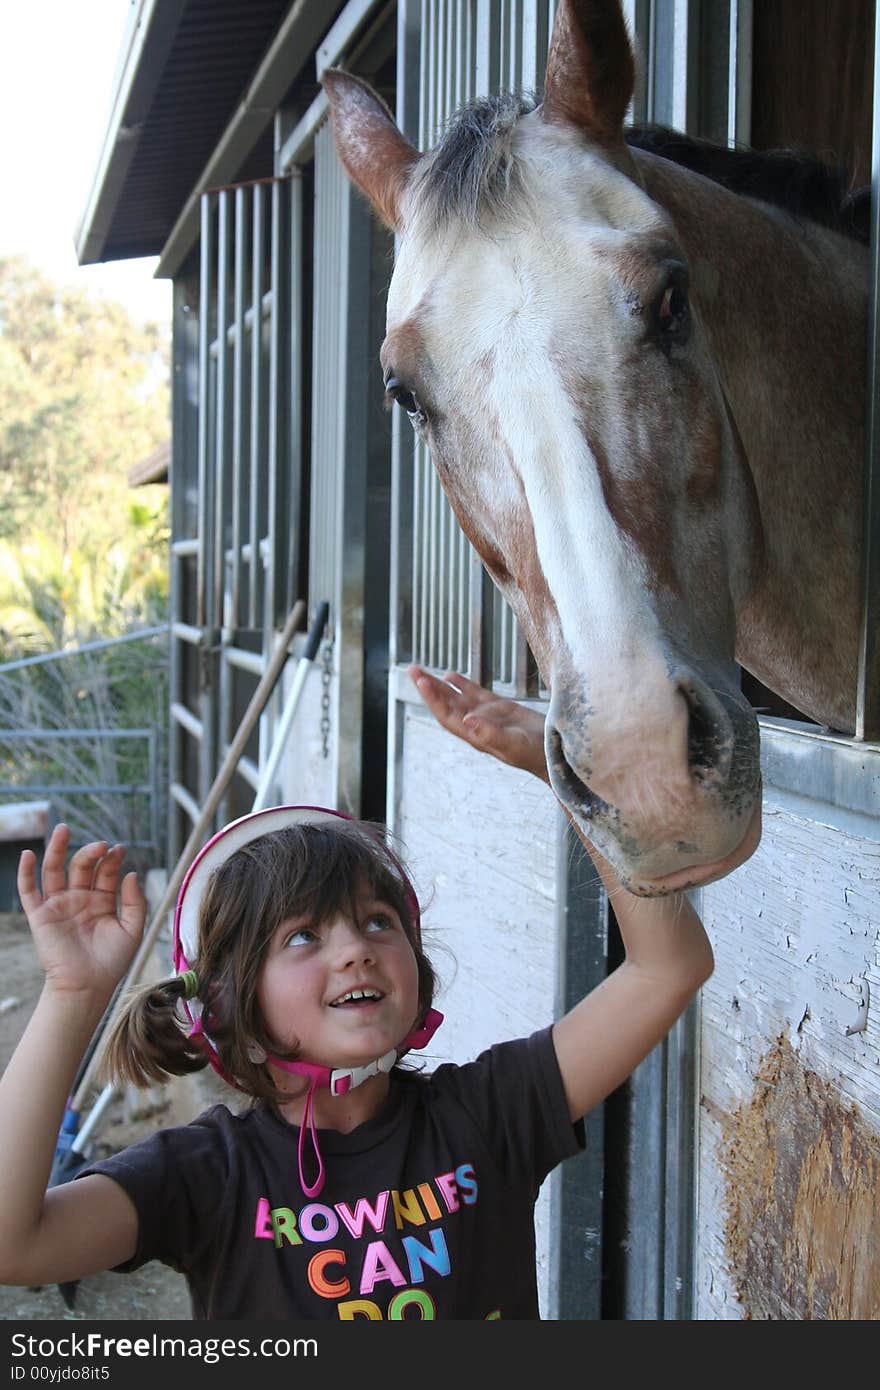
500 314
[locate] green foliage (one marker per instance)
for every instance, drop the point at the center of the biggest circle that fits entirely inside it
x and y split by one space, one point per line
83 557
83 397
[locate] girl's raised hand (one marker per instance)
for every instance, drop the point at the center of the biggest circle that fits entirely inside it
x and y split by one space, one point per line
84 940
511 732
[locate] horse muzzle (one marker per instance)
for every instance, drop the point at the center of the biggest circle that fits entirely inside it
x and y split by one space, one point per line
666 788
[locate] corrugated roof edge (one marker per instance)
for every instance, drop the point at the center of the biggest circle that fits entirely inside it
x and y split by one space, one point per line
144 49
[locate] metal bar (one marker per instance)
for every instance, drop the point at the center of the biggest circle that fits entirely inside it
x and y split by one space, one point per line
868 690
179 794
276 578
79 651
296 541
281 733
240 262
66 735
221 438
341 34
577 1193
204 489
252 662
257 390
256 401
75 788
183 549
186 719
682 1070
739 110
185 632
154 786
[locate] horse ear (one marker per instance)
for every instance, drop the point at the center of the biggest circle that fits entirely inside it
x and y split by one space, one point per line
373 152
590 71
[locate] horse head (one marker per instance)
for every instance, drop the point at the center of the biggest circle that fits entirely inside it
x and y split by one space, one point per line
543 338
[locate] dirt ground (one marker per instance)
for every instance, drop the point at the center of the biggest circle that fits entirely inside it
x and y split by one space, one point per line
154 1292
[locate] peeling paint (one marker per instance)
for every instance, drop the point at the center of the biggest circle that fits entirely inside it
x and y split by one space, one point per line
802 1174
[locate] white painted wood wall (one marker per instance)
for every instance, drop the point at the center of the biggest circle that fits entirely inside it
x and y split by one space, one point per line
795 932
481 841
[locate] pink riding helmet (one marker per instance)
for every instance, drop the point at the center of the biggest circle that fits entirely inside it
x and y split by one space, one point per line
186 935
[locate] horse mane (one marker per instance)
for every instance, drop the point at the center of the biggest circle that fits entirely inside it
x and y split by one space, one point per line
792 179
472 169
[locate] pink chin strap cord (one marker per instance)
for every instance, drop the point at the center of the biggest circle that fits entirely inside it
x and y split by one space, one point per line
338 1080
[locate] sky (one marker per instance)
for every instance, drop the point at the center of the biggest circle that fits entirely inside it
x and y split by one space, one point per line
58 61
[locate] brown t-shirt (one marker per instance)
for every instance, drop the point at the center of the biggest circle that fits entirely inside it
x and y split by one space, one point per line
427 1210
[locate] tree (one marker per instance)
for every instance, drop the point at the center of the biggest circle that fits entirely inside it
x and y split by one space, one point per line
83 396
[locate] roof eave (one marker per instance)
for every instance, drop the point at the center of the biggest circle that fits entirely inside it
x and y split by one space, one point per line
144 51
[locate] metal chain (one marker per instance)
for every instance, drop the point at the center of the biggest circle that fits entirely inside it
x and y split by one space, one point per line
325 698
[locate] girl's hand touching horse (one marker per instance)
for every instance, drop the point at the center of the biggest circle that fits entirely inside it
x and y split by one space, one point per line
84 941
509 731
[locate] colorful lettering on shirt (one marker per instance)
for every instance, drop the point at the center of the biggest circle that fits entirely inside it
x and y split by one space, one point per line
360 1308
354 1220
412 1298
379 1264
284 1227
446 1184
263 1224
432 1206
318 1223
467 1183
318 1279
418 1256
331 1272
406 1208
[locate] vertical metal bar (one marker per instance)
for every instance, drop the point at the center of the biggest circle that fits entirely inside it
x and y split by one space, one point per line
461 661
577 1193
480 663
240 260
279 403
257 436
152 754
487 49
204 580
404 578
424 468
416 554
638 19
868 691
294 523
449 60
682 1070
208 313
221 436
739 111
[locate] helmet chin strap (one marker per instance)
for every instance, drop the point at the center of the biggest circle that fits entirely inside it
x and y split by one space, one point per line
339 1081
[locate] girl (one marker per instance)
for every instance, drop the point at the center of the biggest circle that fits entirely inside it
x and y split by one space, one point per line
350 1187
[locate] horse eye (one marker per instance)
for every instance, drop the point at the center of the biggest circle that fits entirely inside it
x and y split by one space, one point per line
673 316
395 390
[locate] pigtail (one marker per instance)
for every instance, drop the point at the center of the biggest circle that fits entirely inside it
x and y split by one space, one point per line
149 1041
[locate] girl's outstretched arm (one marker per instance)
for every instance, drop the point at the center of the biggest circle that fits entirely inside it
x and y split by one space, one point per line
76 1229
601 1041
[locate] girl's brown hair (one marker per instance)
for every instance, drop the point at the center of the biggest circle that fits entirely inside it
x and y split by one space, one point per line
310 870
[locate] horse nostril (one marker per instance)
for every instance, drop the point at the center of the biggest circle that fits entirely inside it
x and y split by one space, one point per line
710 733
565 780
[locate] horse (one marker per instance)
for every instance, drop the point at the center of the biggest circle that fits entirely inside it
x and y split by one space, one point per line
644 393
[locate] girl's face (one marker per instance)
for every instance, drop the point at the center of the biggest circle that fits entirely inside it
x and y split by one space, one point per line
345 990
